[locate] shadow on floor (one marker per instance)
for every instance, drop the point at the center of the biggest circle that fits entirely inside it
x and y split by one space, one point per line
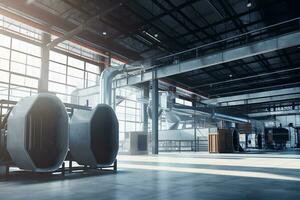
26 177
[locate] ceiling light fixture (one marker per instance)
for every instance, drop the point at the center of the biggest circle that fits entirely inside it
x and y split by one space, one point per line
249 4
30 1
151 36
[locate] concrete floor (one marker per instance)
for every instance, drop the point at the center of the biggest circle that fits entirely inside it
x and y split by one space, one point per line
181 176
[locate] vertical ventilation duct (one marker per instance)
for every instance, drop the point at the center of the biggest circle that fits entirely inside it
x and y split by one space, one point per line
106 84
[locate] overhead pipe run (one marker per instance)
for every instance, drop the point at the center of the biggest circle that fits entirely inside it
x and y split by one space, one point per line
229 118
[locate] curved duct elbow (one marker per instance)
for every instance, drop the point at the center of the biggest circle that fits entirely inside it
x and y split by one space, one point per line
149 112
172 118
106 79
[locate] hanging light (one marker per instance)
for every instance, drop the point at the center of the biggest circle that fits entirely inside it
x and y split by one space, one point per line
249 4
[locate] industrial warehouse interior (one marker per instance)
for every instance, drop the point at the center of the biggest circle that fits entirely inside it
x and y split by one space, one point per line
149 99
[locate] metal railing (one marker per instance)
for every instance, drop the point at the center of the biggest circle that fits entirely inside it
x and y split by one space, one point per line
182 145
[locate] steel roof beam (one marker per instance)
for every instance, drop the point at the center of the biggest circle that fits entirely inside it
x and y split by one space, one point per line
225 56
281 70
80 28
258 97
277 113
58 24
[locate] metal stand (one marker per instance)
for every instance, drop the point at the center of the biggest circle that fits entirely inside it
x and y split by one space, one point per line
63 169
70 165
70 169
5 172
116 166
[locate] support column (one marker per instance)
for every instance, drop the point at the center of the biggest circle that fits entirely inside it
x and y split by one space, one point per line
145 107
195 126
2 170
43 81
154 94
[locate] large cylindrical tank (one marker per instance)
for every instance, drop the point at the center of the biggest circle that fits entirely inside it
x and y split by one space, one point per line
94 136
38 133
4 155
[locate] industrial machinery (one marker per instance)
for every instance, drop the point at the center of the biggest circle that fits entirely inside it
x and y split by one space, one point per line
35 134
94 136
236 140
276 138
136 143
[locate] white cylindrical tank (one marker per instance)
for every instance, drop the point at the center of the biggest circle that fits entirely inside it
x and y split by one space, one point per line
94 136
38 133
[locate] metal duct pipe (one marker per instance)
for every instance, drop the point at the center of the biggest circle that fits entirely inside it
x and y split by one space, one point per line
229 118
133 68
172 117
149 112
106 84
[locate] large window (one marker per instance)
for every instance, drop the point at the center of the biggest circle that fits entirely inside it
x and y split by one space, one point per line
67 74
71 66
20 64
129 110
19 68
19 28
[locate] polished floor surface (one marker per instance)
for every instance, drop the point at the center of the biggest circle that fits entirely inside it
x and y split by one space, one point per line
180 176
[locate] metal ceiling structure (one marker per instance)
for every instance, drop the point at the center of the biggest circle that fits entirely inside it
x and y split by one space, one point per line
186 42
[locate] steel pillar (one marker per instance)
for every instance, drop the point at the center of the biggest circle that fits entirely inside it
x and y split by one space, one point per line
145 114
155 99
43 82
195 126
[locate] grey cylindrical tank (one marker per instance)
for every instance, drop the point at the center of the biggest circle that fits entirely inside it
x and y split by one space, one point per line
94 136
38 133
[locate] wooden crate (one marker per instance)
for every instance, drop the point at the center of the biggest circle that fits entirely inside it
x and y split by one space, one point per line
213 143
221 142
